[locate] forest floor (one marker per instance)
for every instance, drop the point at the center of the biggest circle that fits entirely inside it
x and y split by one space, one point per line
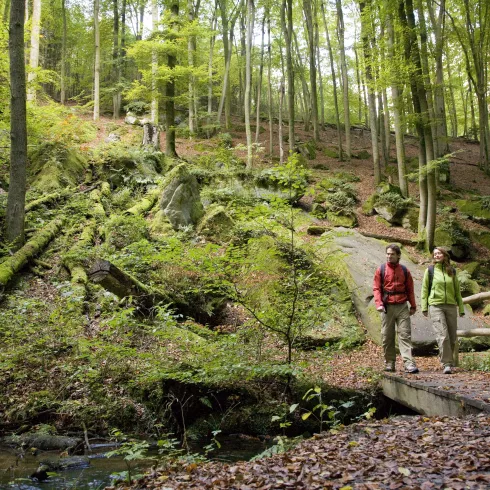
402 452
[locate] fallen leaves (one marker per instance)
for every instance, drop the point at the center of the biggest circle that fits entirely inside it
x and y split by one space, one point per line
398 453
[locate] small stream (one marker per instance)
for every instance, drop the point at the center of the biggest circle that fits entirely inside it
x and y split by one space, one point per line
16 474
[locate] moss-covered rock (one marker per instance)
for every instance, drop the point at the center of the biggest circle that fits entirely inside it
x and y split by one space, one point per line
307 149
368 205
328 152
120 231
181 200
486 310
386 187
472 268
468 286
317 230
410 220
54 166
451 234
348 220
216 223
481 237
362 155
475 210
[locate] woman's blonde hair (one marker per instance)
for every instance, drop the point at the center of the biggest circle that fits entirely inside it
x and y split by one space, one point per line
446 261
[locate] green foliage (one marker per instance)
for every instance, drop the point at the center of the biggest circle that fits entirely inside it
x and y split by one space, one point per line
456 233
340 201
393 200
137 107
476 361
121 230
485 202
131 451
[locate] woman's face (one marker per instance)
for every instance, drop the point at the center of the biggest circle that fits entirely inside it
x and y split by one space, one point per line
438 255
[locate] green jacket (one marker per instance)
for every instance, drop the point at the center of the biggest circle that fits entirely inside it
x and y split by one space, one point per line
445 289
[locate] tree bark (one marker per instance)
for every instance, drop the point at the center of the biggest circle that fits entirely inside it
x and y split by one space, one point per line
97 61
34 51
170 150
345 79
63 55
154 66
334 83
287 28
365 16
248 81
259 81
15 213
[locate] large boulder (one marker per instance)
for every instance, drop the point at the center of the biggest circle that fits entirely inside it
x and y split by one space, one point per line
475 210
181 200
216 223
358 258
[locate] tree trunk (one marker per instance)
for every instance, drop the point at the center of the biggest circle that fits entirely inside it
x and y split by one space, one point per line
287 28
116 97
154 67
395 95
269 84
345 78
15 213
97 62
279 130
170 85
365 22
63 55
248 81
308 11
334 83
210 76
259 82
34 51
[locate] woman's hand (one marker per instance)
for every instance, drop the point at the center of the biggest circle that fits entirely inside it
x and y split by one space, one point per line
425 313
461 315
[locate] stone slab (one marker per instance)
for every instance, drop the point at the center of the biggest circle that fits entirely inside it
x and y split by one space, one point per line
437 394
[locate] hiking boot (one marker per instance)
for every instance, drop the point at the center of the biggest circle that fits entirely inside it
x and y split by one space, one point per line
390 367
411 369
447 370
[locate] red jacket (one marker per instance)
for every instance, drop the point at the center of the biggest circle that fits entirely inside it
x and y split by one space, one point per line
394 281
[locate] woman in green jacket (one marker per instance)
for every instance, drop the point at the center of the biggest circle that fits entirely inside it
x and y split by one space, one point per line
442 299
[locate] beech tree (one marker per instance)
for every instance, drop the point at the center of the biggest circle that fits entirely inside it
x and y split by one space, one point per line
14 220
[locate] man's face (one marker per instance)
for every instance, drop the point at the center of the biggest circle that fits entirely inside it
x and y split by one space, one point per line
392 256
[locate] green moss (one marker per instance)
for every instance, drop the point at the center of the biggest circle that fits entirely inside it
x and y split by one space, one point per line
362 155
472 268
347 220
216 223
330 153
317 230
474 209
368 205
481 237
120 231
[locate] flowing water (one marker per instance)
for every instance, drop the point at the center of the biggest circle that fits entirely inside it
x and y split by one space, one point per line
16 473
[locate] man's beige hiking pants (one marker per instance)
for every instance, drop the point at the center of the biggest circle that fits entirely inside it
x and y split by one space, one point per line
396 320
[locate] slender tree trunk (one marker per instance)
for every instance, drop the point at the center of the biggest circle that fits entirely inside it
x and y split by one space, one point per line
193 11
345 79
15 213
320 77
397 112
248 80
365 22
269 84
34 51
97 62
259 82
334 83
287 28
170 150
63 55
453 116
279 130
116 98
154 66
6 12
308 11
210 74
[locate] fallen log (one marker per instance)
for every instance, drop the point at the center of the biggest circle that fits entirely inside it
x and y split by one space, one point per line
124 285
476 298
36 244
474 332
57 196
145 205
391 239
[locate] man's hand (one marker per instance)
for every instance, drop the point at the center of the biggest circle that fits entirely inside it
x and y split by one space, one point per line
425 313
412 311
381 308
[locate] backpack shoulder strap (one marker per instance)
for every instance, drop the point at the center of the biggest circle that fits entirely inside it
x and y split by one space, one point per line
382 273
431 276
405 272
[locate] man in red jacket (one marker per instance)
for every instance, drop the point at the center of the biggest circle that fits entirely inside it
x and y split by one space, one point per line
392 288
